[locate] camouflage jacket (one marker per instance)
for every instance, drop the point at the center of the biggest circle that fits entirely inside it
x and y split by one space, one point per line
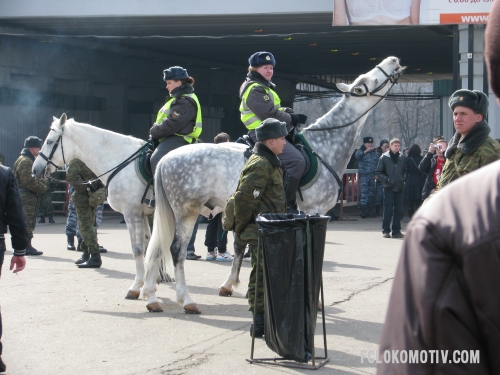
475 151
367 163
260 190
77 171
23 173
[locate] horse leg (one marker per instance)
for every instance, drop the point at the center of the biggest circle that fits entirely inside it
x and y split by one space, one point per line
135 226
226 289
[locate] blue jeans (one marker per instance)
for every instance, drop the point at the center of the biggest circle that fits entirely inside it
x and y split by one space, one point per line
190 248
393 210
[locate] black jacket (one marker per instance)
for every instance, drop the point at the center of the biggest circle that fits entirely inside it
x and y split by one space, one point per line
428 166
392 175
11 213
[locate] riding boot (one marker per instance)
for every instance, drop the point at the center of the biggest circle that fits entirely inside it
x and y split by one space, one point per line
51 220
84 258
259 325
42 220
79 245
71 243
94 262
30 250
292 185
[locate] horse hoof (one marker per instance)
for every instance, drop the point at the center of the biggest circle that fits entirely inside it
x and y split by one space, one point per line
132 294
154 307
192 308
224 292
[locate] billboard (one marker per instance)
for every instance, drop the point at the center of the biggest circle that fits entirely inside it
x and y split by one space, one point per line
410 12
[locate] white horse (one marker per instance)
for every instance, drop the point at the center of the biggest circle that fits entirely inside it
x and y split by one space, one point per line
188 177
102 150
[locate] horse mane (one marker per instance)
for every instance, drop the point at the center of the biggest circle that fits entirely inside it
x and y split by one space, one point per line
72 122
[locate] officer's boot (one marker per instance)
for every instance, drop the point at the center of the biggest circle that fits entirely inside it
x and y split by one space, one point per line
94 261
368 212
377 210
71 243
84 258
42 220
30 250
79 245
51 220
259 325
292 185
363 212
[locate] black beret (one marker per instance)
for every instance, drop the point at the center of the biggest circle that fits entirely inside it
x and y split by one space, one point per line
367 140
175 73
270 128
32 141
475 100
261 58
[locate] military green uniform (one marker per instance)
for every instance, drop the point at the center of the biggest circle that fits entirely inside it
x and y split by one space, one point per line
476 150
260 190
46 207
78 171
29 187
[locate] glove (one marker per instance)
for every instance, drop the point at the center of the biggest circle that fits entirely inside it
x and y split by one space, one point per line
295 119
288 110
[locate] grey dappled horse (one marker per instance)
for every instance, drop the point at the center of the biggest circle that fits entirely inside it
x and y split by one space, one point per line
190 176
102 150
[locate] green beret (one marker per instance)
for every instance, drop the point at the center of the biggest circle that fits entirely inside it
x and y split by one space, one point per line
475 100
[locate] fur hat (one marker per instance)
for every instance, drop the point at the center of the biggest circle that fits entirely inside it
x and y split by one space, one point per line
270 128
383 141
367 140
261 58
475 100
175 73
32 142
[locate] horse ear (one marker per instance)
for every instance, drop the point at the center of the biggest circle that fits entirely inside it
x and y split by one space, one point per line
343 87
62 120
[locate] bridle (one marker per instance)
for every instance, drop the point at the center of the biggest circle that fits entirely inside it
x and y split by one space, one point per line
54 148
392 78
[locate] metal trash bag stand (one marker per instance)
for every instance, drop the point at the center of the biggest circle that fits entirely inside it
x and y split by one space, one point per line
279 361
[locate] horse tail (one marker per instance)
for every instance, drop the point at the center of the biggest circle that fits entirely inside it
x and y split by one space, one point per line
158 253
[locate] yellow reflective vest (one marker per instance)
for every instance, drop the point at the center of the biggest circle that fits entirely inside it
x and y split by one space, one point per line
165 112
249 118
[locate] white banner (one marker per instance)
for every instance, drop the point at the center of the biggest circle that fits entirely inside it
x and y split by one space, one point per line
410 12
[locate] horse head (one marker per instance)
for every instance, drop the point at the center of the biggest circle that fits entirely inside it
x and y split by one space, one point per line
51 155
375 82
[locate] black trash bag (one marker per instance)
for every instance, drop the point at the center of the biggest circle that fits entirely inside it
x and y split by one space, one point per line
292 281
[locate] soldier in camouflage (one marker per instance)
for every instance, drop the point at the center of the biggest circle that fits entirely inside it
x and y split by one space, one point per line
46 207
367 164
77 173
260 190
29 186
471 147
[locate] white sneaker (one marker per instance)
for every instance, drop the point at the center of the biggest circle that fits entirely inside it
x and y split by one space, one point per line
224 257
210 256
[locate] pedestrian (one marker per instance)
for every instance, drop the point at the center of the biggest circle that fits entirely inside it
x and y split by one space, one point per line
432 165
178 122
492 48
78 175
260 101
379 189
29 187
215 235
12 216
367 164
46 207
471 147
415 180
391 170
444 298
260 190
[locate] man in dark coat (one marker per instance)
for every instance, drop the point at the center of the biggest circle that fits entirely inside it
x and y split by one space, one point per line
12 216
367 164
445 291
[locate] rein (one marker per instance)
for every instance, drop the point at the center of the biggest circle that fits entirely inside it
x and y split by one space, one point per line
393 78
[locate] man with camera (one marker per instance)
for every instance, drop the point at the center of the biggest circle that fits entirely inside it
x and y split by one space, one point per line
432 164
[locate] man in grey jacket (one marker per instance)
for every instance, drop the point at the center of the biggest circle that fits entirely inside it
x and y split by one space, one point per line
391 171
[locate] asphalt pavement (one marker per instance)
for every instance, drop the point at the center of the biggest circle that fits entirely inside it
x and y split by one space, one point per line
58 319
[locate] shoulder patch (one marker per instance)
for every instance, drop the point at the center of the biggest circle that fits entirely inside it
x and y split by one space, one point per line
175 114
256 193
266 97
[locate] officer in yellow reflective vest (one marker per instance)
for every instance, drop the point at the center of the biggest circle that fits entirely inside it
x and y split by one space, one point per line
178 122
259 101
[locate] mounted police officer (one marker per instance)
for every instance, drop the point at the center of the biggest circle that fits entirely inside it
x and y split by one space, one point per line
367 164
178 122
260 190
259 101
29 186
